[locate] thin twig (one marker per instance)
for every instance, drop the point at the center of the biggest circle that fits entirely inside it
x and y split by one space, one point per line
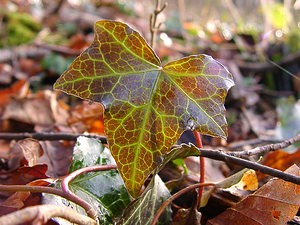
49 136
91 212
202 168
153 20
57 48
256 141
175 196
42 213
266 148
40 189
267 66
223 156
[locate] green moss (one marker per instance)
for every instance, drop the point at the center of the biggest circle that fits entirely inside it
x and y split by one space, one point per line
18 28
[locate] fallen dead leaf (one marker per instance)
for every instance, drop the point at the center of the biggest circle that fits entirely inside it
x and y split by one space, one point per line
23 198
248 182
38 109
18 89
32 150
274 203
87 117
57 156
279 160
189 216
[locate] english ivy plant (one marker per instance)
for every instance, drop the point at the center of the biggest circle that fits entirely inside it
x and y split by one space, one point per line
147 105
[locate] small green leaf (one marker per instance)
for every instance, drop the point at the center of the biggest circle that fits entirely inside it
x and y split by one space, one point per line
143 209
147 105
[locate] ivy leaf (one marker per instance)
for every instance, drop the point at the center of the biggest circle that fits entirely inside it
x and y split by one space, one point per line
147 105
143 209
104 190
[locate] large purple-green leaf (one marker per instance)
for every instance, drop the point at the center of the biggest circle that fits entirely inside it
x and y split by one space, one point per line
147 105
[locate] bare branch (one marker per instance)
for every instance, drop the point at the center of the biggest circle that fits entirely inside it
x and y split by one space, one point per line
223 156
266 148
49 136
42 213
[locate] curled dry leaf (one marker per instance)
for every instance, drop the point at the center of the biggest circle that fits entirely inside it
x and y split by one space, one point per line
189 216
32 150
248 182
57 156
18 89
280 160
37 109
274 203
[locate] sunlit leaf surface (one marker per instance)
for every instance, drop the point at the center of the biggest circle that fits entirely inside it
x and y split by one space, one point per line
147 105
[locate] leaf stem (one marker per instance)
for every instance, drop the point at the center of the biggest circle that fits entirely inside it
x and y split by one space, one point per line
91 212
202 168
175 196
42 189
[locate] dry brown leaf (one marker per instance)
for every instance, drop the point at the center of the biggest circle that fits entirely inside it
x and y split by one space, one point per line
37 109
30 66
274 203
58 156
280 160
22 198
17 89
22 162
87 117
11 155
248 182
16 200
189 216
32 150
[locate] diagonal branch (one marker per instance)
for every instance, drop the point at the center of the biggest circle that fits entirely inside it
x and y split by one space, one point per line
223 156
50 136
266 148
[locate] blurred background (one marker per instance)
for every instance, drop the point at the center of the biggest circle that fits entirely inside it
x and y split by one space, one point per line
257 40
